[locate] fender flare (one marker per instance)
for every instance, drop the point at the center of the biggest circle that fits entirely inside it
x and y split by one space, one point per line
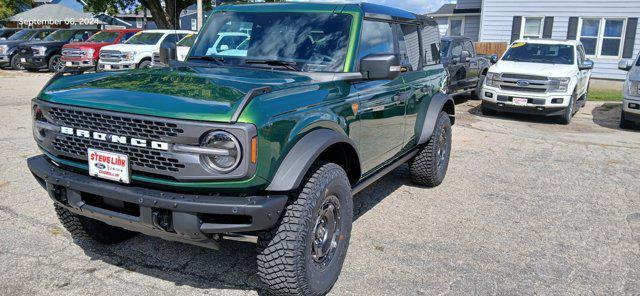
435 107
300 158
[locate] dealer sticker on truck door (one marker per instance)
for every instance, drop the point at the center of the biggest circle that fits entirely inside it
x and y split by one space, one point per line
109 165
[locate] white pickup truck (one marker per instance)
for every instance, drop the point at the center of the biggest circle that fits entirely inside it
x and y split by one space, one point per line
539 77
137 51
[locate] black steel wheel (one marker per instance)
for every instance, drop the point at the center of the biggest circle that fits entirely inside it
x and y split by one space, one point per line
304 253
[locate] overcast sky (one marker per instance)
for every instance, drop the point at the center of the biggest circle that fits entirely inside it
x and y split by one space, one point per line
416 6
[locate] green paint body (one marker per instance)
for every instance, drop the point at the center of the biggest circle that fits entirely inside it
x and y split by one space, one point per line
297 104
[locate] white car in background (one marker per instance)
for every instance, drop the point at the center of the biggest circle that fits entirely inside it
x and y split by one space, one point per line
230 44
137 51
539 77
183 46
630 117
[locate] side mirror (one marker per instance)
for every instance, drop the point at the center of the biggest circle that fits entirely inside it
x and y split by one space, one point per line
587 65
380 67
464 56
224 47
167 54
493 59
625 65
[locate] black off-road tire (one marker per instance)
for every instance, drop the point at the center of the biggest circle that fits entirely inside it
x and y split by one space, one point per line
568 113
286 263
430 166
486 110
625 123
83 228
144 64
15 64
477 94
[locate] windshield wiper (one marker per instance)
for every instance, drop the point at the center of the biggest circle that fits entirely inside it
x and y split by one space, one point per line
286 64
218 60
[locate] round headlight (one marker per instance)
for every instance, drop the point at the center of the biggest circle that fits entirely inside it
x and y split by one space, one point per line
230 152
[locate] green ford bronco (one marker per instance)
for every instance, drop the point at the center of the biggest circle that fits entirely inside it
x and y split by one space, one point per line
267 137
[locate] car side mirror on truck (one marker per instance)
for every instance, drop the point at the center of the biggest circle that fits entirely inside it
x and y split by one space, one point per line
493 58
587 65
167 54
625 65
380 67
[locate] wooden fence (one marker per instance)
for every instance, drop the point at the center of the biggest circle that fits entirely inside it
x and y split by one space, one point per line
490 48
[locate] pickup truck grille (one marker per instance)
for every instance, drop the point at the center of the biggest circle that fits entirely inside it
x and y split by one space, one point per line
524 83
111 56
73 52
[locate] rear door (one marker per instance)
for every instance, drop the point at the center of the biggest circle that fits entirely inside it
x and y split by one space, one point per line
472 67
457 70
381 111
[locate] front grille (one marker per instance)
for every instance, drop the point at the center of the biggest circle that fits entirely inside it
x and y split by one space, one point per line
523 76
118 125
111 56
523 89
73 52
139 157
532 84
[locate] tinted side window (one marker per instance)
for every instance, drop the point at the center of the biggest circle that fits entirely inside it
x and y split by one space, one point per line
468 46
411 39
127 36
377 38
169 41
430 43
456 51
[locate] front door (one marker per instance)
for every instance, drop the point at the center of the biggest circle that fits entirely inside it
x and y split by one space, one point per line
381 103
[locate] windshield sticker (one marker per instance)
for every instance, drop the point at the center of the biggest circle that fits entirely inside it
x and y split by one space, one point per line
519 44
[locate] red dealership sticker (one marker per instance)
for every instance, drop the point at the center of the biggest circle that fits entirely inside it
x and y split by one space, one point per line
109 165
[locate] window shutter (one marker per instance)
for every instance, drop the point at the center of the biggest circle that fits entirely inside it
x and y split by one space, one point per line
630 38
572 33
515 28
547 30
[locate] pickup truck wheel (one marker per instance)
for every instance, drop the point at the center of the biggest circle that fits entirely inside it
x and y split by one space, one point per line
624 123
565 118
84 228
304 253
144 64
486 110
477 94
429 167
15 63
55 64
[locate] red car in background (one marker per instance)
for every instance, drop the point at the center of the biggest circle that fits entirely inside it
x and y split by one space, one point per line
83 56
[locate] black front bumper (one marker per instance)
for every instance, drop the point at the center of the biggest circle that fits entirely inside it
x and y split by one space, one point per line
174 216
632 117
32 62
538 110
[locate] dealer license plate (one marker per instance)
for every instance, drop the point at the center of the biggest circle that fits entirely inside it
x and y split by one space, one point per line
109 165
69 64
23 60
107 67
520 101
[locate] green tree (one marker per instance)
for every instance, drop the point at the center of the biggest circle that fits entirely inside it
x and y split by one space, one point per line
166 17
11 7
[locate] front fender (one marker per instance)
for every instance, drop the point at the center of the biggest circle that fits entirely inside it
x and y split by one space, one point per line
303 154
436 106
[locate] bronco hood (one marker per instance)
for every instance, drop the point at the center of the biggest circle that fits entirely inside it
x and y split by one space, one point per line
211 94
535 69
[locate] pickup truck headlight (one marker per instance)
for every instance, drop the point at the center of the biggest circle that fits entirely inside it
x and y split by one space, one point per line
633 88
226 152
128 55
493 79
39 51
559 84
4 49
88 53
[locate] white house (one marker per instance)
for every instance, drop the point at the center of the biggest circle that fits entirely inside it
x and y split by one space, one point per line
460 19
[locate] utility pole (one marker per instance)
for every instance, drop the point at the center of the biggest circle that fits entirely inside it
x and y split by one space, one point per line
199 12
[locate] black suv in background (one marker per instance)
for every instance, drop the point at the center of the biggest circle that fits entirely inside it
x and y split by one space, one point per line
6 33
9 47
46 54
465 67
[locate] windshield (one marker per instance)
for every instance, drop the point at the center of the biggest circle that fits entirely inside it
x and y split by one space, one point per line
108 37
145 38
187 41
540 53
445 48
60 35
22 35
313 42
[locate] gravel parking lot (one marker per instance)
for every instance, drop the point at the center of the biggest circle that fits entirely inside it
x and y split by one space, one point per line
528 207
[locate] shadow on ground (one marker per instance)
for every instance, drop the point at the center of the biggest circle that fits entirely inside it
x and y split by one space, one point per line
515 116
608 115
232 267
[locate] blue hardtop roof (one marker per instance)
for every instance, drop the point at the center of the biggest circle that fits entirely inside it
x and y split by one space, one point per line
370 9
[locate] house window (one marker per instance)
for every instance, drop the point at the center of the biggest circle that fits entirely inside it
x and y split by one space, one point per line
194 24
138 24
456 26
602 37
532 28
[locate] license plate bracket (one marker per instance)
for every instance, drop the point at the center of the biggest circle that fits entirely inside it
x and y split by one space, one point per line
109 165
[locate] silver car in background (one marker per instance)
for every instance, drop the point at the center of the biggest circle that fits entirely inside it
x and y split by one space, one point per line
630 117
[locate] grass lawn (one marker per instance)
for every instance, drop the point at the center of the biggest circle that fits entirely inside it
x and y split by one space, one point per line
599 94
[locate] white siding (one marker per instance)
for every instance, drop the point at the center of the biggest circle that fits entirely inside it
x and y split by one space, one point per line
498 17
471 26
468 4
